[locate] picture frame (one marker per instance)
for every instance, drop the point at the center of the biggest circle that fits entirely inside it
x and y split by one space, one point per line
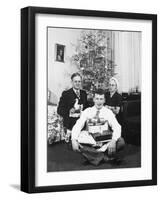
60 52
30 65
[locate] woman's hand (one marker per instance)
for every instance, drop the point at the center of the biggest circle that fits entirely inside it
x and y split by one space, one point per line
115 109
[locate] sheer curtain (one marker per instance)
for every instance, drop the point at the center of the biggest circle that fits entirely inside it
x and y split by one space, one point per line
127 56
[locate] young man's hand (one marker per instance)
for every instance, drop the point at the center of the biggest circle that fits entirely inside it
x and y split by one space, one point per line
75 145
112 147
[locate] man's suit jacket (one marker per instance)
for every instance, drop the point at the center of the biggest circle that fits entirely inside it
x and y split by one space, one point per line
67 101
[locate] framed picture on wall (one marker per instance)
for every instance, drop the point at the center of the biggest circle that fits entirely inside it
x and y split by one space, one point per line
105 63
60 52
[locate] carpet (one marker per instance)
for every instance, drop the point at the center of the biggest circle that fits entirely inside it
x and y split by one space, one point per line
61 157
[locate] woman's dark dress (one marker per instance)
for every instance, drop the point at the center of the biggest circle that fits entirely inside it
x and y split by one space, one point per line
115 101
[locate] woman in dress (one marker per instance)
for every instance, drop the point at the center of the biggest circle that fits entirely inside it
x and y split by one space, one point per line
113 98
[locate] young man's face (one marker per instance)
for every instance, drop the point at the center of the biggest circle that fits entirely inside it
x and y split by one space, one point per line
76 82
99 100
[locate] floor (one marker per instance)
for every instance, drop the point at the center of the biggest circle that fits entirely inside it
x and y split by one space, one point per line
61 158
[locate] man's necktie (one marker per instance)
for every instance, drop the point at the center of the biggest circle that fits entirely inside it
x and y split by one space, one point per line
97 113
77 93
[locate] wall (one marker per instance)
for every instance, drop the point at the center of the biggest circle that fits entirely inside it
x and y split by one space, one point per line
126 48
65 69
10 100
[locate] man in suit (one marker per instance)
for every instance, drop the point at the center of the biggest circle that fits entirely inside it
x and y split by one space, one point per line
72 102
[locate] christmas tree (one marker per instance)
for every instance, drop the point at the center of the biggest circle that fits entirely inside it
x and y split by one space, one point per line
94 58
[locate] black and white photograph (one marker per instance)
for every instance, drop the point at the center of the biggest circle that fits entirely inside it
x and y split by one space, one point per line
60 52
90 79
94 99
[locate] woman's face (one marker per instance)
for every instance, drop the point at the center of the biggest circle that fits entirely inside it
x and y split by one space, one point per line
112 86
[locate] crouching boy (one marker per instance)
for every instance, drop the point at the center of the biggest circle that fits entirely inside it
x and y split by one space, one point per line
101 139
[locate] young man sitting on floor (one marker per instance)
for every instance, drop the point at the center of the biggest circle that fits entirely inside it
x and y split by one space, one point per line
101 139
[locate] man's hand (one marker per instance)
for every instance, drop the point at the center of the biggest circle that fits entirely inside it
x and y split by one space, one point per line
112 147
75 145
72 110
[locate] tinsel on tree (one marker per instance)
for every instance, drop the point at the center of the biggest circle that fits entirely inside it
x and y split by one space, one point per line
94 58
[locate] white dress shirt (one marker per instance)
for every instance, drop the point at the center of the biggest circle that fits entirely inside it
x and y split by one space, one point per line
90 113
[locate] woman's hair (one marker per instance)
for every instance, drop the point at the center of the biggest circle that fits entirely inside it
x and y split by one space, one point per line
116 81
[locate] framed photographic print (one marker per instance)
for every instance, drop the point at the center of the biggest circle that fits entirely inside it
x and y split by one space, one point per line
88 99
60 52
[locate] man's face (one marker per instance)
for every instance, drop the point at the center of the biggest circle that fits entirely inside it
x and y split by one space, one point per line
76 82
99 100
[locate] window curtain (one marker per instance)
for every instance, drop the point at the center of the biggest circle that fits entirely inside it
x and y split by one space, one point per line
127 57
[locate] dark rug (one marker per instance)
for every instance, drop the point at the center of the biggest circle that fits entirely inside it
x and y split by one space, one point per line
61 157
